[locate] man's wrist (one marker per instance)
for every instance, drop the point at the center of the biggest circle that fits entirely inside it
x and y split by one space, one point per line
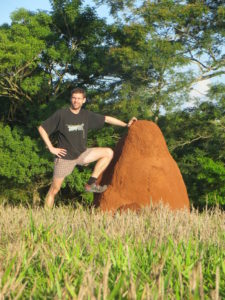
50 148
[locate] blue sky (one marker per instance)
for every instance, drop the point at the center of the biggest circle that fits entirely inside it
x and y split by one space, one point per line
8 6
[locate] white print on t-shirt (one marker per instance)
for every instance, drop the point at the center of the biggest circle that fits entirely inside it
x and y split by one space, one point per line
79 127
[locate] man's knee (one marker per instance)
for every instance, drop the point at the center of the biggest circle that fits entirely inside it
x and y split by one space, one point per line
109 153
55 188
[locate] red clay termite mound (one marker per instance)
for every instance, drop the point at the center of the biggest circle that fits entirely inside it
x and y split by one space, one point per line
142 173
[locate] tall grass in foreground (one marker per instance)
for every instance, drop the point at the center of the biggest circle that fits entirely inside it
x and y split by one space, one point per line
78 254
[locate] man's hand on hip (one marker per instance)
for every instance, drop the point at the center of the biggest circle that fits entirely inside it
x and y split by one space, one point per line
59 152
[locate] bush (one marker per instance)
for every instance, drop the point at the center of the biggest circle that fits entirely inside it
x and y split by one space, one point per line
21 167
212 177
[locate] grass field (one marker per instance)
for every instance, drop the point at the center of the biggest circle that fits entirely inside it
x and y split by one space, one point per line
72 253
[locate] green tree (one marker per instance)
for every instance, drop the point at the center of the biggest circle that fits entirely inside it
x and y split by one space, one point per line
196 139
154 41
43 56
21 47
23 171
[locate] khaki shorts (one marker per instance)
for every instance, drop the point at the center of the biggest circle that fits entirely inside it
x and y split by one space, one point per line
64 167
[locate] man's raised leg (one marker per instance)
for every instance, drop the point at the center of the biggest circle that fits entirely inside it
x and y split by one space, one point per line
103 156
54 189
102 162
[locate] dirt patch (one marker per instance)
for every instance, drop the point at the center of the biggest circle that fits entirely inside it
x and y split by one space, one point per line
142 172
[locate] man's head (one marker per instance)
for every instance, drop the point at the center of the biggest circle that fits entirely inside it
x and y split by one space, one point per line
78 98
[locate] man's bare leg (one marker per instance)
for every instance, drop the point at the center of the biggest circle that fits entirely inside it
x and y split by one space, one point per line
102 163
54 189
103 157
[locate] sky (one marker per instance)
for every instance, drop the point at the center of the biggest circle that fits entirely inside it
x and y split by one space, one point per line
8 6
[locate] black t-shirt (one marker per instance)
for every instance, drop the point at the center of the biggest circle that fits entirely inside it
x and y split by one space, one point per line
72 129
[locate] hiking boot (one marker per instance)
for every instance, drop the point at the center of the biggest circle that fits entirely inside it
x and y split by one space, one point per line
95 188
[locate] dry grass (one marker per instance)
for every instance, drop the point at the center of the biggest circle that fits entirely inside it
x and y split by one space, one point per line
78 254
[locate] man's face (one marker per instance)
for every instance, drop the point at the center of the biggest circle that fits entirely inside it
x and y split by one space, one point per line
77 100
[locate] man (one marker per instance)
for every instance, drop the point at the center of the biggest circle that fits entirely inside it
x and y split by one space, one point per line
72 125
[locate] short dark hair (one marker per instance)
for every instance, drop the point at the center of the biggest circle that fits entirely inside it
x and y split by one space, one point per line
78 91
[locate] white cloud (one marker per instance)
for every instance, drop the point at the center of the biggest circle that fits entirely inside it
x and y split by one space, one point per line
200 89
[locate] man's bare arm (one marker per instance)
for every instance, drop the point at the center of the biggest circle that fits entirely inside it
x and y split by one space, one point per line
59 152
114 121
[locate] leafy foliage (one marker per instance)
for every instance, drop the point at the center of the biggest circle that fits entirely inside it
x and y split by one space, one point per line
196 139
20 159
22 45
75 184
22 169
212 176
